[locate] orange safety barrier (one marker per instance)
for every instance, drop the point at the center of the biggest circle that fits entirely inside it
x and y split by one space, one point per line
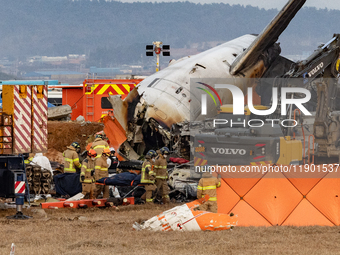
129 201
83 206
75 204
308 196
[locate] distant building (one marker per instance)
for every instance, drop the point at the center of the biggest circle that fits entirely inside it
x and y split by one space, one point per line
104 72
70 77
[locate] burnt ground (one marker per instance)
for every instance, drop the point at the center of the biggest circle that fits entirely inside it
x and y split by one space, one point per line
109 231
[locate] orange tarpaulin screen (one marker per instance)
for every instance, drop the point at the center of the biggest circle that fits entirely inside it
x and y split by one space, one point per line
114 132
282 199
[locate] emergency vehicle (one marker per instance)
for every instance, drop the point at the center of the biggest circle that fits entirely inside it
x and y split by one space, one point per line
90 99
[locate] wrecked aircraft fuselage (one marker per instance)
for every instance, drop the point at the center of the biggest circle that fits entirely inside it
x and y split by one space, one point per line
163 102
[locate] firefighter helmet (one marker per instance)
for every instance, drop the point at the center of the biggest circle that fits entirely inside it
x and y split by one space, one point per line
99 136
151 154
107 152
75 145
165 150
92 153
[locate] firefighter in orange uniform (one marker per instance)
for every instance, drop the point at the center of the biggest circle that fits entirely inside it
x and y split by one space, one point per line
148 176
71 158
99 145
101 171
86 174
208 185
162 174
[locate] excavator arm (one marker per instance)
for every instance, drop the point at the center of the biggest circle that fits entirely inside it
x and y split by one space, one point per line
321 72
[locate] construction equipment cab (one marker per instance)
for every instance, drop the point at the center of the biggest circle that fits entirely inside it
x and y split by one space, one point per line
245 140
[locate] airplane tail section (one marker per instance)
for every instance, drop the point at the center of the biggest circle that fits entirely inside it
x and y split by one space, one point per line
267 37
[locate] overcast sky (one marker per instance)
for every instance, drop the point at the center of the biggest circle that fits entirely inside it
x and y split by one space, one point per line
267 4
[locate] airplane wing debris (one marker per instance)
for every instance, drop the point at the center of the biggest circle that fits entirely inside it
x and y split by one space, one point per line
267 37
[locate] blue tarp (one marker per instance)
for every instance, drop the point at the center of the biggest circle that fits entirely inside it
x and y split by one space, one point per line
122 179
50 105
67 184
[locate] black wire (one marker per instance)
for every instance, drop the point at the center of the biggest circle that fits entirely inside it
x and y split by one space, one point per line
77 101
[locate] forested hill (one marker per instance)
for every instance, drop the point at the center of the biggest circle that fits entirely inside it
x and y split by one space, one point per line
59 27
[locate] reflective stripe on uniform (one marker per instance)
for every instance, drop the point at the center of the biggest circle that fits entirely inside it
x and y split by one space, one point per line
101 168
69 169
149 200
206 187
211 198
99 146
142 180
162 177
160 167
71 161
87 169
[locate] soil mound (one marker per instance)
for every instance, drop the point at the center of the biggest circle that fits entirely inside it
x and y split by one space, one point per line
62 134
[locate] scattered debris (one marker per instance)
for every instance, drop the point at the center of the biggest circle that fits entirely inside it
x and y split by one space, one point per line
62 112
187 218
12 249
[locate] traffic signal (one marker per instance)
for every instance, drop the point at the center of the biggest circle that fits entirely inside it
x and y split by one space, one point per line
149 50
166 50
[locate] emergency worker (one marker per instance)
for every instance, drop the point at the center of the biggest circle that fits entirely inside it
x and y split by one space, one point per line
112 159
101 171
71 158
208 185
162 174
86 174
99 145
148 176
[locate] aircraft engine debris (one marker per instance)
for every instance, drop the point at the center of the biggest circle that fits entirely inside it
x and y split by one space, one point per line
186 218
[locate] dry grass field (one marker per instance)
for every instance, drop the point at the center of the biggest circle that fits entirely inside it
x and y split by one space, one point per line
109 231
